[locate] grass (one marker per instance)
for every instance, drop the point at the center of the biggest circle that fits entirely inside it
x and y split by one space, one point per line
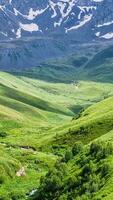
93 122
43 112
30 109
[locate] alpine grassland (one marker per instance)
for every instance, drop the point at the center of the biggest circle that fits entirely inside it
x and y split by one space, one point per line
56 129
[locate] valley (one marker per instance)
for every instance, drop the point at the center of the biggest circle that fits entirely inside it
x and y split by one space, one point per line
44 112
56 100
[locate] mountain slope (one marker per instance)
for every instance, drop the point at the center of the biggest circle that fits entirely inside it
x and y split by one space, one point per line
90 124
86 149
33 132
61 25
49 16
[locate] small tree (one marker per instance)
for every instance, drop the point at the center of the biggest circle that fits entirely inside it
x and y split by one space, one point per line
68 155
77 148
105 169
63 197
3 134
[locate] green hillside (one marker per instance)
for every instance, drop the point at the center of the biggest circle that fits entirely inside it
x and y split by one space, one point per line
56 129
91 123
85 147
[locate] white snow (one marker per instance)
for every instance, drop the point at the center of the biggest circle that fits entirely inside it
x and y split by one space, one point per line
10 1
105 24
97 34
2 8
26 27
32 13
52 4
61 5
86 19
84 9
29 27
107 36
97 1
5 34
18 33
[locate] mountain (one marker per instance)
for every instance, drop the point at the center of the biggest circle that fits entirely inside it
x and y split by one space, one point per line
56 100
92 19
27 28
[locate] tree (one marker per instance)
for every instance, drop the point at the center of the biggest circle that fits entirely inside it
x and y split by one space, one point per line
68 155
77 148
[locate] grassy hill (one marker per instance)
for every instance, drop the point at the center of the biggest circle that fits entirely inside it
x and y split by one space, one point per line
51 117
91 123
85 149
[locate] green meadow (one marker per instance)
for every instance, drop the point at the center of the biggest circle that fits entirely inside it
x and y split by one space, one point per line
56 130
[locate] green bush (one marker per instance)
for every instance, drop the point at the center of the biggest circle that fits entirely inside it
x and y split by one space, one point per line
63 197
17 195
52 183
101 150
105 169
83 160
3 134
95 148
88 169
77 148
89 172
68 155
2 179
72 182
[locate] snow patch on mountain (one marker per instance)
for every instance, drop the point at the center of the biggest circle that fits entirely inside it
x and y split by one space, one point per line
32 18
84 9
86 19
107 36
97 34
98 1
32 13
105 24
26 27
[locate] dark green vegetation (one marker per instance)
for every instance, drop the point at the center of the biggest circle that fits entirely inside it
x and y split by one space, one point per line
81 174
56 129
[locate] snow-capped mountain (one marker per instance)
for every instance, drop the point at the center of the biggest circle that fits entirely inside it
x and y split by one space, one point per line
82 19
29 27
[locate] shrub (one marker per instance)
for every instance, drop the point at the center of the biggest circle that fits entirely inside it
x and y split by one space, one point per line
68 155
101 150
88 169
72 182
95 148
51 184
2 179
105 169
17 195
3 134
77 148
94 187
83 160
63 197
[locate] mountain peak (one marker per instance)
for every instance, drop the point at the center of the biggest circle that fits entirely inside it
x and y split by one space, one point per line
49 17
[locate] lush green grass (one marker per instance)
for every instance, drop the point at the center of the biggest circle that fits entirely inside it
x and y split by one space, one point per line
12 160
29 107
92 123
89 174
43 112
